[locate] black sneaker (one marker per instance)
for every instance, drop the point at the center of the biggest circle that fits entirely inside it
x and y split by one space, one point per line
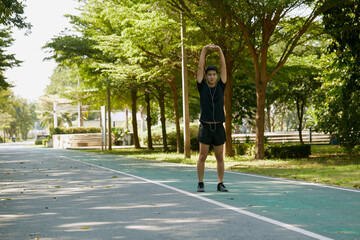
201 187
221 187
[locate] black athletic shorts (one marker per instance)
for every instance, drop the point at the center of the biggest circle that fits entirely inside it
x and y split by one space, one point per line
212 134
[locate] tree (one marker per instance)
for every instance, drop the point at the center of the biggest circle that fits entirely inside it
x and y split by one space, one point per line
148 118
244 99
263 24
152 44
81 53
337 110
295 85
5 121
260 25
25 116
6 60
16 114
340 114
216 28
62 79
6 111
11 15
145 43
74 55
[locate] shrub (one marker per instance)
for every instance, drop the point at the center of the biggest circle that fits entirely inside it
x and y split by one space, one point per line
194 144
247 139
171 137
287 151
244 148
156 135
172 134
78 130
119 135
38 142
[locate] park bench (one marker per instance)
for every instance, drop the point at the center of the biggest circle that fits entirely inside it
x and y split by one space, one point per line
286 137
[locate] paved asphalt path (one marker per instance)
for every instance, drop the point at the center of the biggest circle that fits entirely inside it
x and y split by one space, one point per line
63 194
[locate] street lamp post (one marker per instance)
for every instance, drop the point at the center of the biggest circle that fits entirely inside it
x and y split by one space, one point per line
186 115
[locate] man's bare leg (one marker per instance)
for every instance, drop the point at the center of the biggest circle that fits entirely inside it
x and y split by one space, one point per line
203 153
219 154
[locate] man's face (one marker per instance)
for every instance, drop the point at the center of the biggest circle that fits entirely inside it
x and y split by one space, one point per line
211 77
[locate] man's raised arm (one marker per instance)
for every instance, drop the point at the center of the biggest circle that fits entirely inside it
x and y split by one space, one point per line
201 66
223 74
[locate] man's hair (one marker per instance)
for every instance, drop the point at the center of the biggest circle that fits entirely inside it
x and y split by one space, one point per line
211 68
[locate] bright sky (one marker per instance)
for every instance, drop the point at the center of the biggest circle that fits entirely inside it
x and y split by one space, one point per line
47 18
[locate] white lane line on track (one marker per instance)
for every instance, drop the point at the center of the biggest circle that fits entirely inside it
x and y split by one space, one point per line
226 206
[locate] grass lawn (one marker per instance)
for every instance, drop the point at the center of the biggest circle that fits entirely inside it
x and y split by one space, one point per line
328 164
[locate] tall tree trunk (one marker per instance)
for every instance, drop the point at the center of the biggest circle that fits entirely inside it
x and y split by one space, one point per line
162 116
80 118
25 133
109 118
268 118
127 118
282 125
179 142
134 119
260 120
300 114
186 146
261 80
228 107
148 120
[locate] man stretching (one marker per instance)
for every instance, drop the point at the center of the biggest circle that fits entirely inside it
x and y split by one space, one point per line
212 117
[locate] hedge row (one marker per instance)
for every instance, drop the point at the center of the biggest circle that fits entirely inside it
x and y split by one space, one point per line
274 150
59 130
287 151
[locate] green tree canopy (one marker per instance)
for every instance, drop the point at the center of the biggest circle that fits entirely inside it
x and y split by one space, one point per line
62 79
11 15
6 60
340 114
